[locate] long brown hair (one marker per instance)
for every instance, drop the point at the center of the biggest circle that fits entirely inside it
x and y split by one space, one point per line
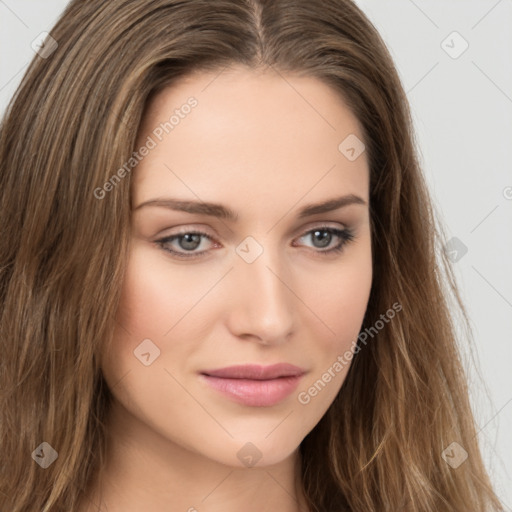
73 122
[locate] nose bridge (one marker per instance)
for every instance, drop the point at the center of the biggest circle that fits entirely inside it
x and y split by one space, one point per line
264 303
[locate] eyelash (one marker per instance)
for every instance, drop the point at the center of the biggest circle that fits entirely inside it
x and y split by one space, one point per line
346 235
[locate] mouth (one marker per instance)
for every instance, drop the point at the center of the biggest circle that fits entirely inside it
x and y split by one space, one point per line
253 385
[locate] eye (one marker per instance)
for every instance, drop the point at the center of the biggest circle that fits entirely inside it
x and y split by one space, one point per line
184 245
323 236
188 241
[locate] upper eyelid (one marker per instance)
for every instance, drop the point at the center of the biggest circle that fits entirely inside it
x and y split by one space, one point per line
296 232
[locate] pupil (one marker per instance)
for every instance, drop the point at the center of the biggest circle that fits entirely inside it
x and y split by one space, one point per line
190 241
324 241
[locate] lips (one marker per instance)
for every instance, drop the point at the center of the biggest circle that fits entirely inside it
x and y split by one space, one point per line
256 372
253 385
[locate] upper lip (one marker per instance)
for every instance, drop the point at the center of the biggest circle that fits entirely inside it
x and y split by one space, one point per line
256 372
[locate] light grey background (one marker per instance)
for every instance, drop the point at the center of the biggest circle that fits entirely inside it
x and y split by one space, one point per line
462 109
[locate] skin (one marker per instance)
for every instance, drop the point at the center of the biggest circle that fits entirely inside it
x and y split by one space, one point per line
265 145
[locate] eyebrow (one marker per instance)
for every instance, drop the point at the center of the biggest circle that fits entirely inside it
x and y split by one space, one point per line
226 213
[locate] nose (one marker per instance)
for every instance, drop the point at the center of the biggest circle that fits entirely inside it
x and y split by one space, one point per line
262 305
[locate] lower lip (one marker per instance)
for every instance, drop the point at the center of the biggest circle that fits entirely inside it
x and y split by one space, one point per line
255 393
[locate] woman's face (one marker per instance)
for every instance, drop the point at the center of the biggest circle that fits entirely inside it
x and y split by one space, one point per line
265 287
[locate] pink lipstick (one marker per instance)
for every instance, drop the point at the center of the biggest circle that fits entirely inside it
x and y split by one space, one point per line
254 385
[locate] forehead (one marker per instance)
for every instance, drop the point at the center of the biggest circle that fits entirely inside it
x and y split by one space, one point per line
250 134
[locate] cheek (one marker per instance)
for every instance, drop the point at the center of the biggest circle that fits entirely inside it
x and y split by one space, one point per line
163 303
144 299
147 310
152 319
341 308
348 307
157 295
341 298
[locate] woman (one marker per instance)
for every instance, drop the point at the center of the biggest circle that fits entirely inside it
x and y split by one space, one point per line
220 271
